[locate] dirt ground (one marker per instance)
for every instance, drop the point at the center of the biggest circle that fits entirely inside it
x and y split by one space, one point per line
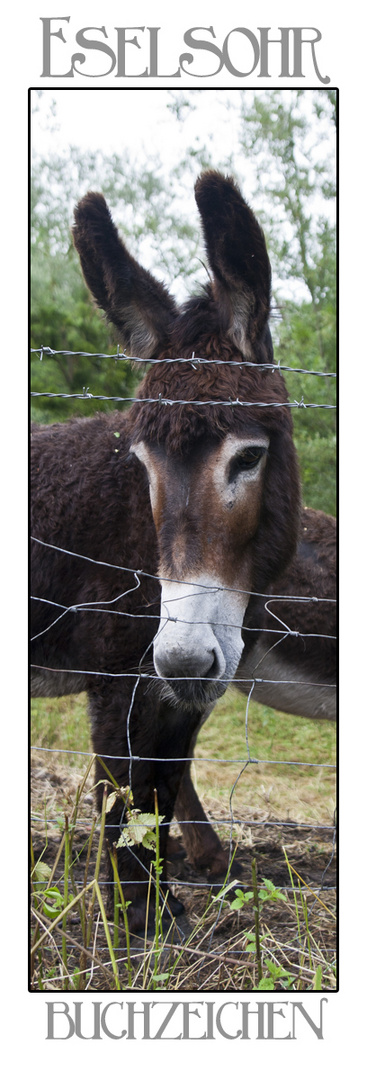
217 947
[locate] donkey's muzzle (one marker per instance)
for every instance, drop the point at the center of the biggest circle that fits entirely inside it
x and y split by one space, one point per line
198 645
195 675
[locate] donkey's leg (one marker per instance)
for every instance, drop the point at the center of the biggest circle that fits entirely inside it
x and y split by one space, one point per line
202 844
124 731
176 741
178 795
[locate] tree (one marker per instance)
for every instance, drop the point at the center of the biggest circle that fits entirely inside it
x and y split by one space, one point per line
289 140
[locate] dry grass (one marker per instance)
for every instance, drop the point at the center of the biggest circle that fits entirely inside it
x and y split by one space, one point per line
298 933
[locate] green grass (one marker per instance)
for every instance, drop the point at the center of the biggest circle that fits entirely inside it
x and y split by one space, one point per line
294 790
272 735
61 724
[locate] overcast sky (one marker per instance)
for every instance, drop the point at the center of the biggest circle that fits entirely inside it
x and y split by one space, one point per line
138 123
137 119
111 120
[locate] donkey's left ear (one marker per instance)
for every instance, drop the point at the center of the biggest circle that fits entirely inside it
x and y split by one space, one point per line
141 309
237 254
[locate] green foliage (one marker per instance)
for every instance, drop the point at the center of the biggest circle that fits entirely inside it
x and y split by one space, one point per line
278 977
266 892
306 340
317 460
63 318
49 898
139 830
295 177
285 136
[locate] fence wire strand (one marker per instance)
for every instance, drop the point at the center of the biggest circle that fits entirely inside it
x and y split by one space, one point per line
196 361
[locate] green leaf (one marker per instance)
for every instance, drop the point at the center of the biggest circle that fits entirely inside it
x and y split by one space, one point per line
147 819
53 902
40 874
138 830
266 984
149 840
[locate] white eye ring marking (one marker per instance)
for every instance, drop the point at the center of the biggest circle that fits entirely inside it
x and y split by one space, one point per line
224 463
142 453
246 461
230 452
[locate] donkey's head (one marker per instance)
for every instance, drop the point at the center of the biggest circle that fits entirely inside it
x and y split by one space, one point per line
215 437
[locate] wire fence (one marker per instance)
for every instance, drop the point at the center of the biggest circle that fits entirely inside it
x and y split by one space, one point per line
231 821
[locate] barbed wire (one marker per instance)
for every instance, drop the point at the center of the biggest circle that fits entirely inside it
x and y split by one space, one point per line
45 350
160 400
195 361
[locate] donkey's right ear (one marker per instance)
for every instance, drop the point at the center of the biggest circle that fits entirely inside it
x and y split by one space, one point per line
141 309
237 254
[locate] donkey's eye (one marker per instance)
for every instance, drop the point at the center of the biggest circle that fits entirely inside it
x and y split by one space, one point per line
246 460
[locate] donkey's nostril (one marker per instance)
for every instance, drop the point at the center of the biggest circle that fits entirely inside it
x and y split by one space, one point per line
215 671
178 663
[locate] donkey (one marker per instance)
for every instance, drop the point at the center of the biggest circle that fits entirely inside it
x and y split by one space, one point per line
155 528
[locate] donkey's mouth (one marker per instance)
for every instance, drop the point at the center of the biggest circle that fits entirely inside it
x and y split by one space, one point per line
193 693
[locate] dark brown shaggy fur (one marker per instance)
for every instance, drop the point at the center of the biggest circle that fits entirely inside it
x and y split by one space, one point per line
94 621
